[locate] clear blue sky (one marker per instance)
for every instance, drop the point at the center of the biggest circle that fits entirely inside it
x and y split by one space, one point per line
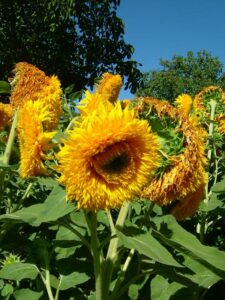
161 28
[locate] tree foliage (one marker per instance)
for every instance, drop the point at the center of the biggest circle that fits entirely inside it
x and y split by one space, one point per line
179 75
77 40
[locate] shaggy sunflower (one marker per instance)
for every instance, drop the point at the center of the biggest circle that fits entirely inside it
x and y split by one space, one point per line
30 83
184 103
183 171
110 86
201 99
108 158
187 206
6 114
32 138
107 91
27 82
186 173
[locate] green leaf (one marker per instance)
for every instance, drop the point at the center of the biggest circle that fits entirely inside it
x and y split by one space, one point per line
75 95
54 207
7 290
27 294
219 186
185 242
19 271
5 87
72 280
203 276
162 289
146 244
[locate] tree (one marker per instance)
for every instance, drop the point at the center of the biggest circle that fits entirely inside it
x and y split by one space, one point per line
77 40
183 75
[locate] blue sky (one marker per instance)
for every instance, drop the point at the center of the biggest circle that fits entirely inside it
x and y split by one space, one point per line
161 28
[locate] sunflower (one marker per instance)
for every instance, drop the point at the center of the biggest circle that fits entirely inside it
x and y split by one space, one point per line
110 86
50 95
30 83
183 171
188 205
107 91
32 138
27 82
108 158
205 93
6 114
184 103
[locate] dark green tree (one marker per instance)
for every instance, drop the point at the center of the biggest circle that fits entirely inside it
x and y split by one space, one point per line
183 75
77 40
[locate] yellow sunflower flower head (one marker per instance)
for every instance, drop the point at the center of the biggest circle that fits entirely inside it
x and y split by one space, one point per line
32 139
107 91
50 95
90 103
6 114
202 99
27 82
110 86
108 158
30 83
187 206
184 103
182 167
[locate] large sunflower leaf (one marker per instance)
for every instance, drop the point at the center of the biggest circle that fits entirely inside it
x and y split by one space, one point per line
72 280
162 289
27 294
18 271
54 207
175 236
146 244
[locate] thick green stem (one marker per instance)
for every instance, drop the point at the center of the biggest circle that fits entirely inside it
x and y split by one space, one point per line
10 142
8 150
209 156
112 253
48 285
96 253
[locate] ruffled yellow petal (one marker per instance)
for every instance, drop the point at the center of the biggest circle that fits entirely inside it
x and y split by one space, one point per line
32 138
184 103
107 91
110 86
30 83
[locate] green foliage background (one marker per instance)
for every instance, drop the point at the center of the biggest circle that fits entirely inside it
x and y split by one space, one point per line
182 74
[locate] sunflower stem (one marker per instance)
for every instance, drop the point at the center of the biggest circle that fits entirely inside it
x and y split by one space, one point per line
203 225
10 142
8 150
112 253
96 253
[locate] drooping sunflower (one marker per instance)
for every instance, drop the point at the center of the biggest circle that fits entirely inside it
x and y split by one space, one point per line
33 140
108 158
187 206
107 91
184 170
201 99
30 83
6 114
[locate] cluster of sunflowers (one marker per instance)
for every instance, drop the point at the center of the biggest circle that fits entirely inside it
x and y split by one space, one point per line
116 150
